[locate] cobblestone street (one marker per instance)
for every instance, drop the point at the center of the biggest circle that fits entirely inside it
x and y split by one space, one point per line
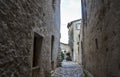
68 69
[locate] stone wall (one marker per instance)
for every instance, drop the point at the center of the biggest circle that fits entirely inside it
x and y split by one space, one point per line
20 20
101 37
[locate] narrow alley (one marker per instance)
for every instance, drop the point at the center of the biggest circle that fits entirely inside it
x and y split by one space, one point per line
68 69
31 33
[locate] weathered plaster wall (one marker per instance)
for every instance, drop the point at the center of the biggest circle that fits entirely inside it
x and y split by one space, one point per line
74 38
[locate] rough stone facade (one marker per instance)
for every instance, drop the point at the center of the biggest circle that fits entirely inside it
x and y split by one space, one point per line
101 55
29 30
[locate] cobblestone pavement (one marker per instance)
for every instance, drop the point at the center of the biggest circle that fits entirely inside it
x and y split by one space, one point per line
68 69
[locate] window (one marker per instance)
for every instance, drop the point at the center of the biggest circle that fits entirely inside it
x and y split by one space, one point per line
96 42
52 46
53 4
78 26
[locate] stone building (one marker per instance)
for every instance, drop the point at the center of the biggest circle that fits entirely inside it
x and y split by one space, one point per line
101 44
64 50
29 37
64 47
73 33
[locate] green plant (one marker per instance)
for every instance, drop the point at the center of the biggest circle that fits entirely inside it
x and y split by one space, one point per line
62 56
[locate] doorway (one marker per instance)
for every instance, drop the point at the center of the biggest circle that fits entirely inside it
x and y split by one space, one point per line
37 46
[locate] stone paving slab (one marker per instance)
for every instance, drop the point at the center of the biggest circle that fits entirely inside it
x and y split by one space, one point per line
68 69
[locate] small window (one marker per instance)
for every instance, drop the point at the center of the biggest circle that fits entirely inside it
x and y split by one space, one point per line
53 4
96 42
78 26
52 47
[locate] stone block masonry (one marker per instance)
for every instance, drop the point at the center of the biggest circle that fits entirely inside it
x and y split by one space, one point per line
101 37
26 30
